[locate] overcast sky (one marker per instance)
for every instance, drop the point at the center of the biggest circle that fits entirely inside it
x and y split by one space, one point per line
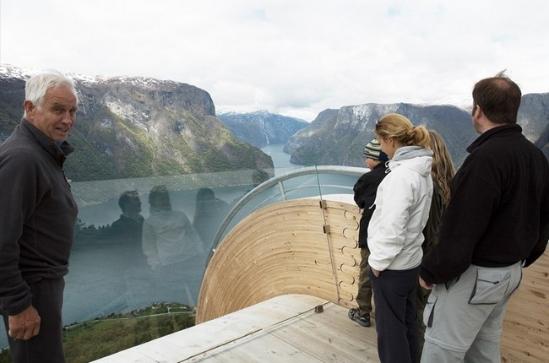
290 57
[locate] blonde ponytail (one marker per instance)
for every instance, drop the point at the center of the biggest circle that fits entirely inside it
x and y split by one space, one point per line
401 129
420 136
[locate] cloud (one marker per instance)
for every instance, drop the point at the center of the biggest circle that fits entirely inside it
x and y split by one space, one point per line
298 57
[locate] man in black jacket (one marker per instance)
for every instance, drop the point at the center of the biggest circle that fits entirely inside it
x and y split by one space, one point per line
37 220
365 191
496 223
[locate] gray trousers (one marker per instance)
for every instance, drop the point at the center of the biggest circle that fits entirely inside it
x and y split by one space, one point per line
47 346
464 318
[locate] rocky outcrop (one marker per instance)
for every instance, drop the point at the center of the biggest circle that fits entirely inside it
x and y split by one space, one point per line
534 119
533 115
543 142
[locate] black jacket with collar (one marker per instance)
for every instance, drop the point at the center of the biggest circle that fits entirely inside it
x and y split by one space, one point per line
37 214
365 195
499 210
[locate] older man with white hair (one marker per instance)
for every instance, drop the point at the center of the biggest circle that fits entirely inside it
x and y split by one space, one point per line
37 219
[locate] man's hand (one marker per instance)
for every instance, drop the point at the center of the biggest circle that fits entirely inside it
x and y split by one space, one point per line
375 272
24 325
424 284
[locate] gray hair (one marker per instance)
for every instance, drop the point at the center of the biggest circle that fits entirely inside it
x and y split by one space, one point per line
37 86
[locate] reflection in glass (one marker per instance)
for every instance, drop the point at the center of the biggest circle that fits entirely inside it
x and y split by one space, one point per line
173 250
209 212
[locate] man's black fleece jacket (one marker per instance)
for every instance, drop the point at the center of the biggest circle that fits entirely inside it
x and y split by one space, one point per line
499 209
37 214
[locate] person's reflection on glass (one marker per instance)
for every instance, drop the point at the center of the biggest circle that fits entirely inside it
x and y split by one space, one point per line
209 213
124 234
130 224
124 238
172 248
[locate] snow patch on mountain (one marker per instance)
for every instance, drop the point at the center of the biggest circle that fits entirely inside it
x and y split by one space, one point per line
9 71
128 112
367 110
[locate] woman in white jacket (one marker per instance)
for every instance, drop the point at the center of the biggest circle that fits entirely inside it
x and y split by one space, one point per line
395 235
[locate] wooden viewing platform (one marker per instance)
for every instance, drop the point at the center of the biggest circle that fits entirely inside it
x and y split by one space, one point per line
281 329
262 284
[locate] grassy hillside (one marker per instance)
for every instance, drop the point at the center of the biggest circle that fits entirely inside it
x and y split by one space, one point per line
100 337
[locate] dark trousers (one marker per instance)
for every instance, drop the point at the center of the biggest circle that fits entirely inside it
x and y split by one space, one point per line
364 296
396 321
47 346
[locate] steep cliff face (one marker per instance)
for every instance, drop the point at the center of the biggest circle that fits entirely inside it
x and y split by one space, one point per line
337 136
534 118
305 146
543 142
533 115
137 127
262 128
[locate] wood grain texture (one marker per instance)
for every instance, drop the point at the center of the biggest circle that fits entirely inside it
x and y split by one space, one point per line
282 329
526 325
282 249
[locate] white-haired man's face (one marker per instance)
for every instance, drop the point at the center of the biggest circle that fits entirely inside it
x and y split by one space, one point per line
56 114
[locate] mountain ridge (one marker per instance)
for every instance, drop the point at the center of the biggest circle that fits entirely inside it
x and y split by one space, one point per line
337 136
136 127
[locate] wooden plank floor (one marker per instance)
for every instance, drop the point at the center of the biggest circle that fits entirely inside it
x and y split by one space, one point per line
282 329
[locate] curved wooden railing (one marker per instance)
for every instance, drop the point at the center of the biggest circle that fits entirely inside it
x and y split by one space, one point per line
297 246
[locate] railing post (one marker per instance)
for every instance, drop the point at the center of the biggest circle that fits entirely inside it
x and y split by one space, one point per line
282 191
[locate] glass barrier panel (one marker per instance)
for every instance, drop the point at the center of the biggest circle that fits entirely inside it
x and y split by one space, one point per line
142 245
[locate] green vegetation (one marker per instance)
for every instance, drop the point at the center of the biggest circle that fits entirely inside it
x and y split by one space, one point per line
100 337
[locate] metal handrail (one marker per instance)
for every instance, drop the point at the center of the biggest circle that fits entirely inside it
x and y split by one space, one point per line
313 170
289 190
